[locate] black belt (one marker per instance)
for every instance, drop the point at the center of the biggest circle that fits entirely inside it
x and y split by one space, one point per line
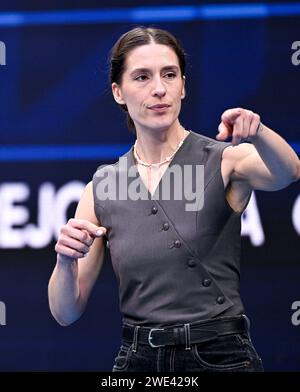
185 334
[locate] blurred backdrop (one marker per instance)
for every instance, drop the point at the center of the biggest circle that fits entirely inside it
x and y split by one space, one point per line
58 122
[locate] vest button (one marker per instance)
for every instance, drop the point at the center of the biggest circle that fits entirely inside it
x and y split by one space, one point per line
154 210
206 282
166 226
221 300
177 244
191 263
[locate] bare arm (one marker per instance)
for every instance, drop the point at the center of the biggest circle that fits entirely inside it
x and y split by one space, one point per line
269 163
76 270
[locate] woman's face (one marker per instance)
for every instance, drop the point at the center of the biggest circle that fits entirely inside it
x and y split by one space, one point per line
152 86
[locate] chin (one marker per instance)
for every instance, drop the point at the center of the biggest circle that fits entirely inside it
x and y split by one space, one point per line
160 125
160 128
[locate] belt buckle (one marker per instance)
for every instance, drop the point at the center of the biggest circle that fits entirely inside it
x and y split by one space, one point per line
151 337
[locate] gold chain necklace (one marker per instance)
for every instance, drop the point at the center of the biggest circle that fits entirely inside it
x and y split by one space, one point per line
149 166
166 160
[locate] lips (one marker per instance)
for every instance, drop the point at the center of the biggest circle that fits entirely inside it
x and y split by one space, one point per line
159 107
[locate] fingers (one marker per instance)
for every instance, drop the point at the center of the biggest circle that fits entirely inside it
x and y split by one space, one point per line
249 128
227 124
231 114
81 235
239 123
90 227
65 252
224 132
76 245
238 131
76 238
254 126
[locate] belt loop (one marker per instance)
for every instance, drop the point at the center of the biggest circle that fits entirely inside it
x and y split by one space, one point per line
135 338
247 321
187 335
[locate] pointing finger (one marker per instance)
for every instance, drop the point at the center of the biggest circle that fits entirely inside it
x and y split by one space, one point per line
230 115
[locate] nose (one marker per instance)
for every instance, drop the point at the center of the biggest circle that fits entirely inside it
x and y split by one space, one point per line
159 89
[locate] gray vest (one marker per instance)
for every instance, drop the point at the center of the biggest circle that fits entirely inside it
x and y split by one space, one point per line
173 266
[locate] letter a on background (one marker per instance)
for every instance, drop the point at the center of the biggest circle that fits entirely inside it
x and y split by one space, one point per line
2 53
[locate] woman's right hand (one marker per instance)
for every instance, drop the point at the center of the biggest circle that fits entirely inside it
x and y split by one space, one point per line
76 238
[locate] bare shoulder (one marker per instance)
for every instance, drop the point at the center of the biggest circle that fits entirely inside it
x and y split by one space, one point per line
231 157
233 154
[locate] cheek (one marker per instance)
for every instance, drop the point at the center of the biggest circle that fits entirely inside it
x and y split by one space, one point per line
136 102
136 105
177 93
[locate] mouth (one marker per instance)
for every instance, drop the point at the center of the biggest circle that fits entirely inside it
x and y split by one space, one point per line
160 107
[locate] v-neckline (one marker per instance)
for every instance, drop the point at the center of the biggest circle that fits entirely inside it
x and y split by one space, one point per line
158 187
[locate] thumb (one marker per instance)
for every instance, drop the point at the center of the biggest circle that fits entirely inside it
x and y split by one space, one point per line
100 231
224 132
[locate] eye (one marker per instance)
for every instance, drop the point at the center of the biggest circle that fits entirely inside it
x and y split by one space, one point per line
170 75
141 78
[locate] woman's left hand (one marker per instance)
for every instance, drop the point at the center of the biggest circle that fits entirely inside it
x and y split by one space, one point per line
240 124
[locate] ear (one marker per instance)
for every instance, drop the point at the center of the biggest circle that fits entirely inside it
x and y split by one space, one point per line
183 87
117 93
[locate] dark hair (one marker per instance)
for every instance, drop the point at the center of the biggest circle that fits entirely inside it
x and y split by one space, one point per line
132 39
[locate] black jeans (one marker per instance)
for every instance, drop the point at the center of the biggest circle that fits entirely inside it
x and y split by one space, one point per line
231 353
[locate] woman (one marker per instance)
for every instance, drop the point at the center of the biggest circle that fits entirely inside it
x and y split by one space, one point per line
177 268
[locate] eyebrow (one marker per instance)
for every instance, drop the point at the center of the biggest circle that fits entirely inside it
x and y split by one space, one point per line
166 68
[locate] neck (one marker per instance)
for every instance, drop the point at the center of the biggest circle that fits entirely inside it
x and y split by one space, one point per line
155 146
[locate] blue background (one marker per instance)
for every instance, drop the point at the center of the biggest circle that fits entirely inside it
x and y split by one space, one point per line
55 96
